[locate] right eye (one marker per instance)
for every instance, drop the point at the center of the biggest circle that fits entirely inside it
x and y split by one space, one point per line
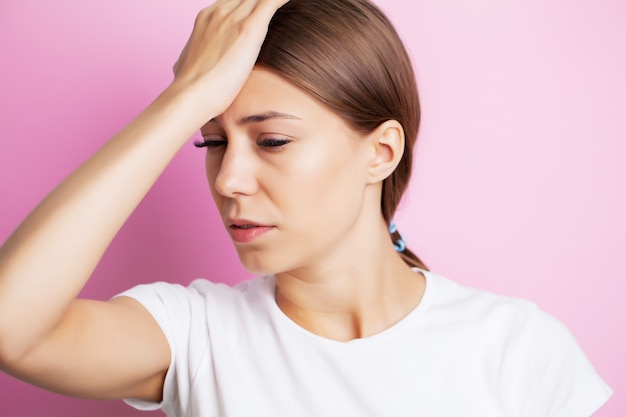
208 142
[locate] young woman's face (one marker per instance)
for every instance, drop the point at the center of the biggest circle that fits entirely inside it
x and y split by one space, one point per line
288 176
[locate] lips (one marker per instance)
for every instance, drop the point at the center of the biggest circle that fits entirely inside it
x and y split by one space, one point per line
244 226
245 231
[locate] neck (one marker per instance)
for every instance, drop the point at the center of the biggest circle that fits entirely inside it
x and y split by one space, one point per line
345 300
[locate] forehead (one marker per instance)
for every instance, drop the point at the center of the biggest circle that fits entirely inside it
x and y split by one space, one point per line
265 92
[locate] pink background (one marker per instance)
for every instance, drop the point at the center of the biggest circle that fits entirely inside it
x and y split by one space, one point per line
520 183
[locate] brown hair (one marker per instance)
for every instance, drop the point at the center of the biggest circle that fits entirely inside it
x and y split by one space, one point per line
347 54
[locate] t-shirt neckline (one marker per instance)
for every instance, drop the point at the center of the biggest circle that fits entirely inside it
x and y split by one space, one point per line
396 329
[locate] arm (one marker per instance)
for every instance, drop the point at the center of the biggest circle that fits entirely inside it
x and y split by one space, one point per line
114 349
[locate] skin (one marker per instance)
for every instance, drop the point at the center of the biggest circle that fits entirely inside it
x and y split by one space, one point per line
323 173
340 282
115 349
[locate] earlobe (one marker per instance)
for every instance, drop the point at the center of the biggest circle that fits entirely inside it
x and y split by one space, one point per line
388 145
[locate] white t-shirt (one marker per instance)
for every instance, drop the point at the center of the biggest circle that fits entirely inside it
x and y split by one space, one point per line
461 352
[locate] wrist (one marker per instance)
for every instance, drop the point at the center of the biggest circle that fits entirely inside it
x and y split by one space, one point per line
198 102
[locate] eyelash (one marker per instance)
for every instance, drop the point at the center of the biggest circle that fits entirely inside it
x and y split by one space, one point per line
270 143
209 143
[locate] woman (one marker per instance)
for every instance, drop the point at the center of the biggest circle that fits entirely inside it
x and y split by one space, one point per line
309 132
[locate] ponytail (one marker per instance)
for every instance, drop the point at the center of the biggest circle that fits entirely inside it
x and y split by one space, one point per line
406 254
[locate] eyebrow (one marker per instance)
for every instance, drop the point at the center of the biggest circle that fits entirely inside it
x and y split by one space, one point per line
261 117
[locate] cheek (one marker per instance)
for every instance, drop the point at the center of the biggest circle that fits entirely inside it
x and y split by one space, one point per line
325 185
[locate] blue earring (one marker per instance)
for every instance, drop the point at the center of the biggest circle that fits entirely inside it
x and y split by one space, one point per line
400 244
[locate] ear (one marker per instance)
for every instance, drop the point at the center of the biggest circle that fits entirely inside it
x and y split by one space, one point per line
387 142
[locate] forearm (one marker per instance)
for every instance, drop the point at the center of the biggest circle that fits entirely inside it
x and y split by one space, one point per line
48 259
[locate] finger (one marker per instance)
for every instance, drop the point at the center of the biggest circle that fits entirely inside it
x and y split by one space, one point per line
222 8
245 8
204 16
265 9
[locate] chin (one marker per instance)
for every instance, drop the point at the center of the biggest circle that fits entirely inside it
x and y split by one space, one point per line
259 269
260 263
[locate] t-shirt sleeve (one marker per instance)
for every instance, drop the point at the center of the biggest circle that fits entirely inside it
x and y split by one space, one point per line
561 380
171 305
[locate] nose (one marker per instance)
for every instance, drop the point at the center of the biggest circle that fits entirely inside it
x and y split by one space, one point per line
236 174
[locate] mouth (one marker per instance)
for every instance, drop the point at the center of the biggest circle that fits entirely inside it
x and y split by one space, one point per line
244 226
246 232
